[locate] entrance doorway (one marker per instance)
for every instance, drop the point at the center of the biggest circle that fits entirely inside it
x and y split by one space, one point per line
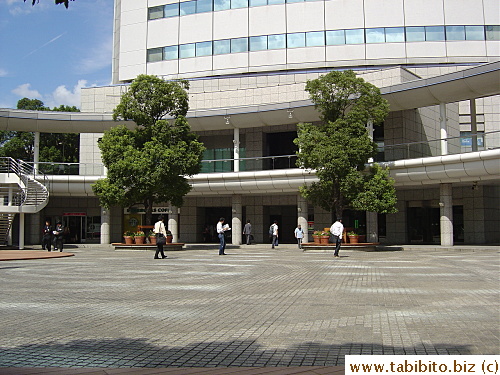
286 216
75 225
211 218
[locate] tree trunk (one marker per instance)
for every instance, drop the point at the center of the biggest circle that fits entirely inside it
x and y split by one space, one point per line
148 207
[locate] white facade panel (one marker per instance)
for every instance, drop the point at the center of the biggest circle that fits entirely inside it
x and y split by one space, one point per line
127 5
129 72
385 51
196 64
267 20
423 12
163 68
195 28
163 32
230 24
308 54
466 48
132 17
133 38
153 3
493 49
343 53
267 58
464 12
306 16
491 12
390 14
227 62
344 14
425 49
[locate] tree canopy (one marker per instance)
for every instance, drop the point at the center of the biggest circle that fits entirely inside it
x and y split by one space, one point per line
65 2
339 147
149 164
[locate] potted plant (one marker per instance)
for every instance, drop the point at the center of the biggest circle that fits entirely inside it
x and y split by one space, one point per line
353 237
324 237
129 237
152 237
316 235
169 236
139 237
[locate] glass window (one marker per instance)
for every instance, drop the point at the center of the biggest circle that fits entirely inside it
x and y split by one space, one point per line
296 40
275 2
187 50
415 34
434 33
239 45
203 48
222 46
256 3
492 32
155 12
239 4
276 41
203 6
222 4
258 43
455 32
394 34
188 7
155 54
335 37
375 35
171 53
172 10
474 33
294 1
356 36
315 38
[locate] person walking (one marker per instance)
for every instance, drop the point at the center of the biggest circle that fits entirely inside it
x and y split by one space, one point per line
247 231
299 235
47 236
274 233
58 237
337 229
161 237
221 229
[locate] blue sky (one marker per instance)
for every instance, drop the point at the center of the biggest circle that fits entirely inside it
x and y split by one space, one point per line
49 52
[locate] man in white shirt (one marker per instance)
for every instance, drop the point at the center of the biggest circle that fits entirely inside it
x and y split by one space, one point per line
221 228
337 229
274 230
299 235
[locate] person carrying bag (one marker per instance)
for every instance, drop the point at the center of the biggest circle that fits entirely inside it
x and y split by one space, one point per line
161 237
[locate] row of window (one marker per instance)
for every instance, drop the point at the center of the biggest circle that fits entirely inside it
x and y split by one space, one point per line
322 38
203 6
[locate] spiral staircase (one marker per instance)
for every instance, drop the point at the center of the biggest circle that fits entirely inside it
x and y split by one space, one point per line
20 192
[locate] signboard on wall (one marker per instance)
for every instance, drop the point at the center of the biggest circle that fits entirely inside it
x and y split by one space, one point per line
141 211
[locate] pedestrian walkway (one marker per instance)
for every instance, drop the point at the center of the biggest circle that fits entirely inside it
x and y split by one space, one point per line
255 310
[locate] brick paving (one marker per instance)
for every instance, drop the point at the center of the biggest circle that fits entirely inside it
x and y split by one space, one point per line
254 308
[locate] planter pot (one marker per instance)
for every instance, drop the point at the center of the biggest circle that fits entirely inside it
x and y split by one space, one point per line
169 239
140 240
129 240
152 240
353 239
324 240
316 239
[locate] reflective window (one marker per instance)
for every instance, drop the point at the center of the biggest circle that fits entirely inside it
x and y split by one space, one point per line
296 40
258 43
203 48
187 50
375 35
335 37
315 38
434 33
256 3
455 32
239 45
474 33
155 54
276 41
294 1
172 10
222 4
275 2
188 7
356 36
155 12
492 32
222 46
394 34
415 34
203 6
171 53
239 4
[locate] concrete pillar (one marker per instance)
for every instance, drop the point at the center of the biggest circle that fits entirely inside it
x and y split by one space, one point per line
9 203
371 227
473 123
369 128
444 128
236 152
173 222
105 226
236 220
36 152
302 210
21 231
446 214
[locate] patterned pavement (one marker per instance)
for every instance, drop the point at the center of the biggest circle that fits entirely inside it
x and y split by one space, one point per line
255 307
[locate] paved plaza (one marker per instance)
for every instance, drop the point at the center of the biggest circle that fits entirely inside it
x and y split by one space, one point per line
253 307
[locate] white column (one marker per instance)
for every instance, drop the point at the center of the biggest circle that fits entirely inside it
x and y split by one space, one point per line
173 223
9 203
36 152
473 123
444 128
237 217
302 209
446 214
371 227
236 152
105 225
21 231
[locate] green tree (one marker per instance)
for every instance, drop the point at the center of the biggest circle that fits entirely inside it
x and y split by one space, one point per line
149 164
31 105
339 147
65 2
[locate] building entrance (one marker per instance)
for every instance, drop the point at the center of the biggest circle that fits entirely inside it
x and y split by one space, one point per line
286 216
212 216
75 225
